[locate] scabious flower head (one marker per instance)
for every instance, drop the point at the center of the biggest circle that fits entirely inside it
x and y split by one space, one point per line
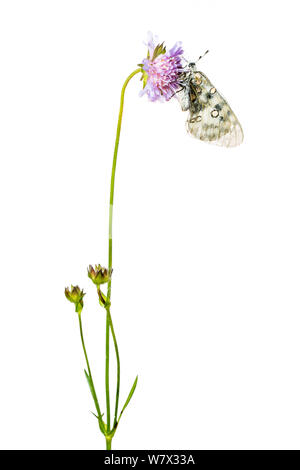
161 70
75 295
99 275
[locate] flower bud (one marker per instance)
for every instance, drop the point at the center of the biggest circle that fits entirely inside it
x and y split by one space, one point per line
75 295
99 275
103 300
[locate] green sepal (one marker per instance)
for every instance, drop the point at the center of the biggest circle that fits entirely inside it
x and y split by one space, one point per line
79 307
144 77
160 49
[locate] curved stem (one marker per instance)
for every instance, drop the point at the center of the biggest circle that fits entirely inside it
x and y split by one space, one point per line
108 316
113 174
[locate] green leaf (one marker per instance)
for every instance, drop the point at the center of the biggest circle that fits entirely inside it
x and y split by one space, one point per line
92 389
129 397
90 385
94 415
101 423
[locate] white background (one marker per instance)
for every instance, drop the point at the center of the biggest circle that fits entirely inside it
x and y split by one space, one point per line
206 240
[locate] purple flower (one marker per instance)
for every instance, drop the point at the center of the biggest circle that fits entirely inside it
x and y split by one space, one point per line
161 70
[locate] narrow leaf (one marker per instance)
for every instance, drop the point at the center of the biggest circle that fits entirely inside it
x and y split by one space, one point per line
90 385
101 424
129 397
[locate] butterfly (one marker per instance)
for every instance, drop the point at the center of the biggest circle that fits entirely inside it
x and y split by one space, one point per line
210 117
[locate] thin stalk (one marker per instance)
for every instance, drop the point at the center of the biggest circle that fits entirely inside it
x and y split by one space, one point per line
107 375
89 369
108 444
113 174
118 366
109 324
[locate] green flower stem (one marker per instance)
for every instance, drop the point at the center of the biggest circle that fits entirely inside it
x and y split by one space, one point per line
113 173
107 375
118 366
109 324
89 371
108 443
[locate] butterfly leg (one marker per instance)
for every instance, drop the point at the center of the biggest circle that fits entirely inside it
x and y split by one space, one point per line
177 91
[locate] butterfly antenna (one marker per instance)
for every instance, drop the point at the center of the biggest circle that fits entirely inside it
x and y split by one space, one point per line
206 52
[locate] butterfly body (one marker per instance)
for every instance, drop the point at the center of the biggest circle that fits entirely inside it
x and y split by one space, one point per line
210 118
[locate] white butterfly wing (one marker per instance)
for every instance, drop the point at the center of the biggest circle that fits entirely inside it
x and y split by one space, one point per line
215 123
